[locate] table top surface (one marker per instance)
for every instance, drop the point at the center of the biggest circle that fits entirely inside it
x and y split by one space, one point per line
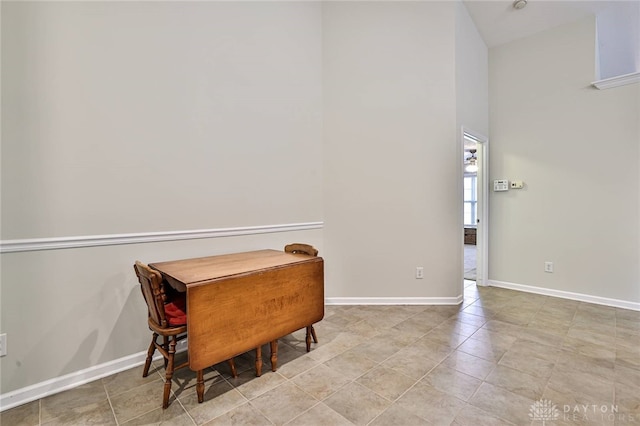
197 270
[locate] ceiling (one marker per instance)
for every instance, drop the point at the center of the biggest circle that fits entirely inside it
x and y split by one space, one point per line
499 22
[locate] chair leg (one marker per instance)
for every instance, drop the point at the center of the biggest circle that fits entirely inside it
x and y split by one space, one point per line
165 345
169 373
232 366
313 333
150 352
259 361
274 354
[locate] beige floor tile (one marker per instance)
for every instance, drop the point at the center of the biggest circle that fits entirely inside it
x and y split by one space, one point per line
575 409
500 328
473 416
542 337
395 365
470 319
251 386
129 379
592 338
477 309
485 348
431 349
527 363
628 339
452 382
378 348
577 383
627 376
441 408
579 363
395 415
320 382
351 364
242 415
549 326
218 399
342 320
184 380
517 382
93 414
319 414
386 382
502 403
23 415
411 361
342 342
284 403
445 337
357 403
418 327
627 398
293 367
469 364
78 401
173 415
458 326
627 358
513 317
608 328
138 401
590 349
557 313
364 329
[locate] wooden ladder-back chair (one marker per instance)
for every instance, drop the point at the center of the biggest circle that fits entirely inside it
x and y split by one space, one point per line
167 318
310 251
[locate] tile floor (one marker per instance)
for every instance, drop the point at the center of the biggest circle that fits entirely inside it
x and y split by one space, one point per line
502 357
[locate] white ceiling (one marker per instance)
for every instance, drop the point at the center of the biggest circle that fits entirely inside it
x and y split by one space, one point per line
498 22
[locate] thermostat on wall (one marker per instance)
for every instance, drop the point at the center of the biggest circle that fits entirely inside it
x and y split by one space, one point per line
500 185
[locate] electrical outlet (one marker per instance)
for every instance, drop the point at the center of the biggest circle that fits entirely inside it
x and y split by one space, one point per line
3 344
548 266
419 272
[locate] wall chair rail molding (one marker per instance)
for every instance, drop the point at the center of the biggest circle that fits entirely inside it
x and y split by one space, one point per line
580 297
621 80
35 244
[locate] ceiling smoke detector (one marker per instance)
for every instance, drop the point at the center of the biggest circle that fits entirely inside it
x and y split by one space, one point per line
519 4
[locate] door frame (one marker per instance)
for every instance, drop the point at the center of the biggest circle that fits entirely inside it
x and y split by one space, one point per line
482 231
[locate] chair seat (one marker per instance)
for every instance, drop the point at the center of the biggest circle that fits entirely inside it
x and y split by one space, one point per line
176 311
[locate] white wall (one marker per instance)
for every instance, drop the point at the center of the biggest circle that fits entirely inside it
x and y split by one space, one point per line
576 149
618 29
390 150
124 117
212 109
472 74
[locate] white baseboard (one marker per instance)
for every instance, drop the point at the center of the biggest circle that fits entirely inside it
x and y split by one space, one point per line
567 295
78 378
393 300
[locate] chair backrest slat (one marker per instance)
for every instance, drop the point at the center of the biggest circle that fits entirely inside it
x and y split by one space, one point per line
301 248
153 292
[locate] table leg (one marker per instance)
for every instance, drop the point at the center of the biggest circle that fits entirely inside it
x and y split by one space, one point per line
259 361
308 339
200 386
274 355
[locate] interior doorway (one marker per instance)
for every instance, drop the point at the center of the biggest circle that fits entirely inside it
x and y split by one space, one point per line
475 206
